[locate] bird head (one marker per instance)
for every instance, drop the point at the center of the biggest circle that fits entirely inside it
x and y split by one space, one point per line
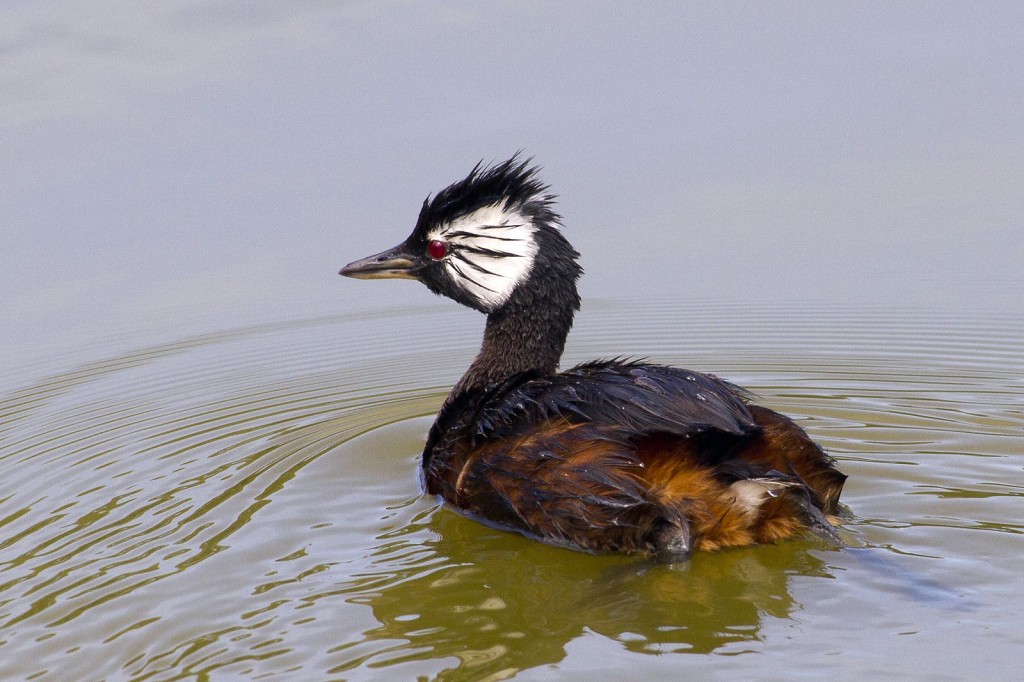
477 240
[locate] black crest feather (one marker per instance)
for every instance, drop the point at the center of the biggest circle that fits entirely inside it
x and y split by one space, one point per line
514 181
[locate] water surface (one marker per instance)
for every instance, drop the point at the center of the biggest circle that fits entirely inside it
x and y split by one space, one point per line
247 503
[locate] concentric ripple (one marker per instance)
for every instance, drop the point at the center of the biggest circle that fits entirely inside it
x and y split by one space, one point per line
246 503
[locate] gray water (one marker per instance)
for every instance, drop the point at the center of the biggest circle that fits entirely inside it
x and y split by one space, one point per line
209 441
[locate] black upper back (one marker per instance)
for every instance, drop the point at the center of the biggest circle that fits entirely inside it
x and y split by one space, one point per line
640 399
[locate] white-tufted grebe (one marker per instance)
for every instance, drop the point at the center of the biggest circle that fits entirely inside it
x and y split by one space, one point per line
606 456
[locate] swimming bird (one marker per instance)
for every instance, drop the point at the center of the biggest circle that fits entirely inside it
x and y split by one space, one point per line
611 455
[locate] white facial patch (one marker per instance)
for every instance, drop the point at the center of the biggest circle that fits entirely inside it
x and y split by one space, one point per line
491 251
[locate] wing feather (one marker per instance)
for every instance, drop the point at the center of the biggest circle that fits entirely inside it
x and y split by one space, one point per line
642 398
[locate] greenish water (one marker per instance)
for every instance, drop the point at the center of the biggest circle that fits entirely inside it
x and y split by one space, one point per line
246 504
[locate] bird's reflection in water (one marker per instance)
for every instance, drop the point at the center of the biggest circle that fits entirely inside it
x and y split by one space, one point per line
495 603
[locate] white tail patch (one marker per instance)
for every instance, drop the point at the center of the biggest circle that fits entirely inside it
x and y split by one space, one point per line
751 493
491 251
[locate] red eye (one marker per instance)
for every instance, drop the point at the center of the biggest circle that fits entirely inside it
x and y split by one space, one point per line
437 249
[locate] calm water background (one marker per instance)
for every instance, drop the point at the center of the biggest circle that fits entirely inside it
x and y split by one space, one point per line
208 440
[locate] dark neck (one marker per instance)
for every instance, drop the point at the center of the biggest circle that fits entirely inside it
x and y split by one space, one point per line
528 333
